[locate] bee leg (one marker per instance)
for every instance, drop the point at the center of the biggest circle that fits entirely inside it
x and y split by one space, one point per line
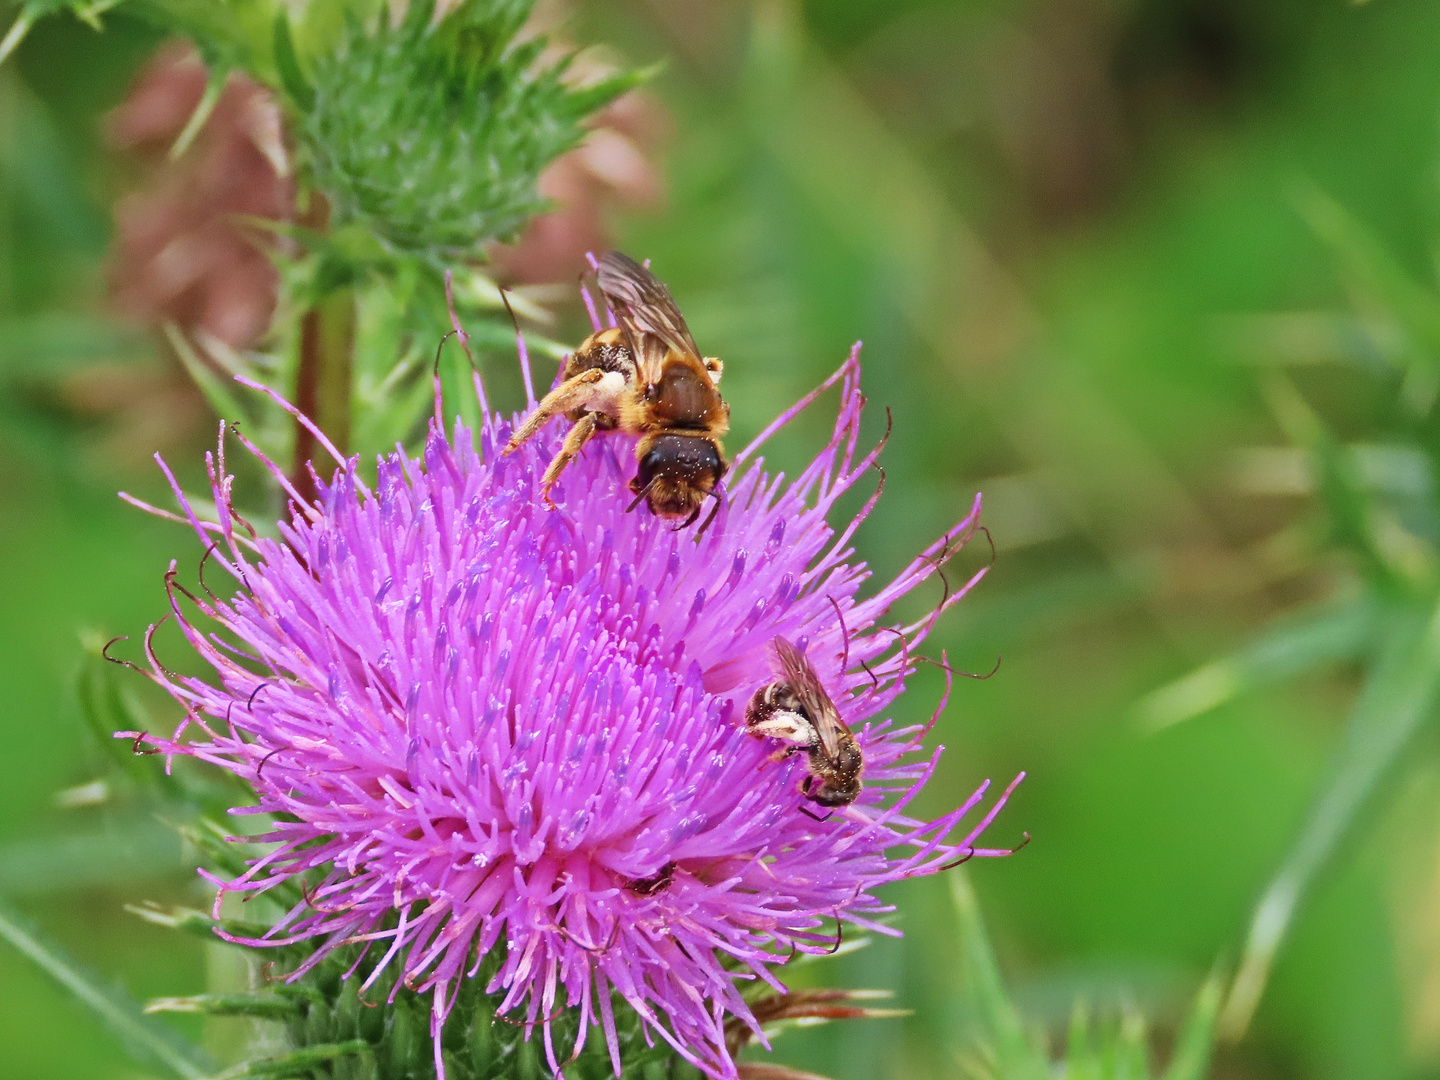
570 394
574 442
788 752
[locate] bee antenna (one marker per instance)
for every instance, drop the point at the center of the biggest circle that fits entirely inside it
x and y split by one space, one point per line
844 634
640 497
717 493
105 652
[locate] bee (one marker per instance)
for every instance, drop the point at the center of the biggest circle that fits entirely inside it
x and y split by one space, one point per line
657 882
798 711
645 376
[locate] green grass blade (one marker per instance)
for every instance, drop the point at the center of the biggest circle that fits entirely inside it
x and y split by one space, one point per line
1014 1055
1196 1041
1399 693
1374 275
1310 641
147 1041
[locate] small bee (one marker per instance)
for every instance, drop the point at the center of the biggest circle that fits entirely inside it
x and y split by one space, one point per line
657 882
797 710
645 376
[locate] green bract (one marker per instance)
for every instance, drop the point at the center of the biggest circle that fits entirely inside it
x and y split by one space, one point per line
432 133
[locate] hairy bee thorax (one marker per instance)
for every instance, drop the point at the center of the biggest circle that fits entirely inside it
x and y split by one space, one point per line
605 350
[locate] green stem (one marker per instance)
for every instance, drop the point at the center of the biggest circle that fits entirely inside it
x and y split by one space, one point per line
1399 694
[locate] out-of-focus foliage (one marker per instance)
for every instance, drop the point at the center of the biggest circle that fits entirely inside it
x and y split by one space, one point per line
428 130
1002 1047
1375 495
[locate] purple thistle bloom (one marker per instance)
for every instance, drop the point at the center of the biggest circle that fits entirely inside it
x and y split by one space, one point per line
488 725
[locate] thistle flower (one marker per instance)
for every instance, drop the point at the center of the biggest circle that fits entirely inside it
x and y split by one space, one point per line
492 733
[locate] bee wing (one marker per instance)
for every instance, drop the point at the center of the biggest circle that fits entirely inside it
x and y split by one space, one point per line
817 704
645 308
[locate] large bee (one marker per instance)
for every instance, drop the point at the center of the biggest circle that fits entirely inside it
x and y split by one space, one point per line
798 711
647 377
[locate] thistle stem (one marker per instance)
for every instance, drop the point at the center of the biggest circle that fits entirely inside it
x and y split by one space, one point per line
323 376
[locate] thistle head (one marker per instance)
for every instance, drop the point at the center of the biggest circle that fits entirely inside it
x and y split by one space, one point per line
501 743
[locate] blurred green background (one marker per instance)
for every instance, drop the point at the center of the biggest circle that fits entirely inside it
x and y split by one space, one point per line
1054 224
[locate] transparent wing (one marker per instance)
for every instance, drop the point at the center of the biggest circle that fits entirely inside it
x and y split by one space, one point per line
816 702
645 308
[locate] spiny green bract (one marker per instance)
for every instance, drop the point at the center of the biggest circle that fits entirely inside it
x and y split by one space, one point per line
327 1030
432 134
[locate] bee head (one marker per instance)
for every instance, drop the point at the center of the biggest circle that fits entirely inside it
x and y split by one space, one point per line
676 473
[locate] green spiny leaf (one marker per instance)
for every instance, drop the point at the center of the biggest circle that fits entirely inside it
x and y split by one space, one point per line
260 1005
195 922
